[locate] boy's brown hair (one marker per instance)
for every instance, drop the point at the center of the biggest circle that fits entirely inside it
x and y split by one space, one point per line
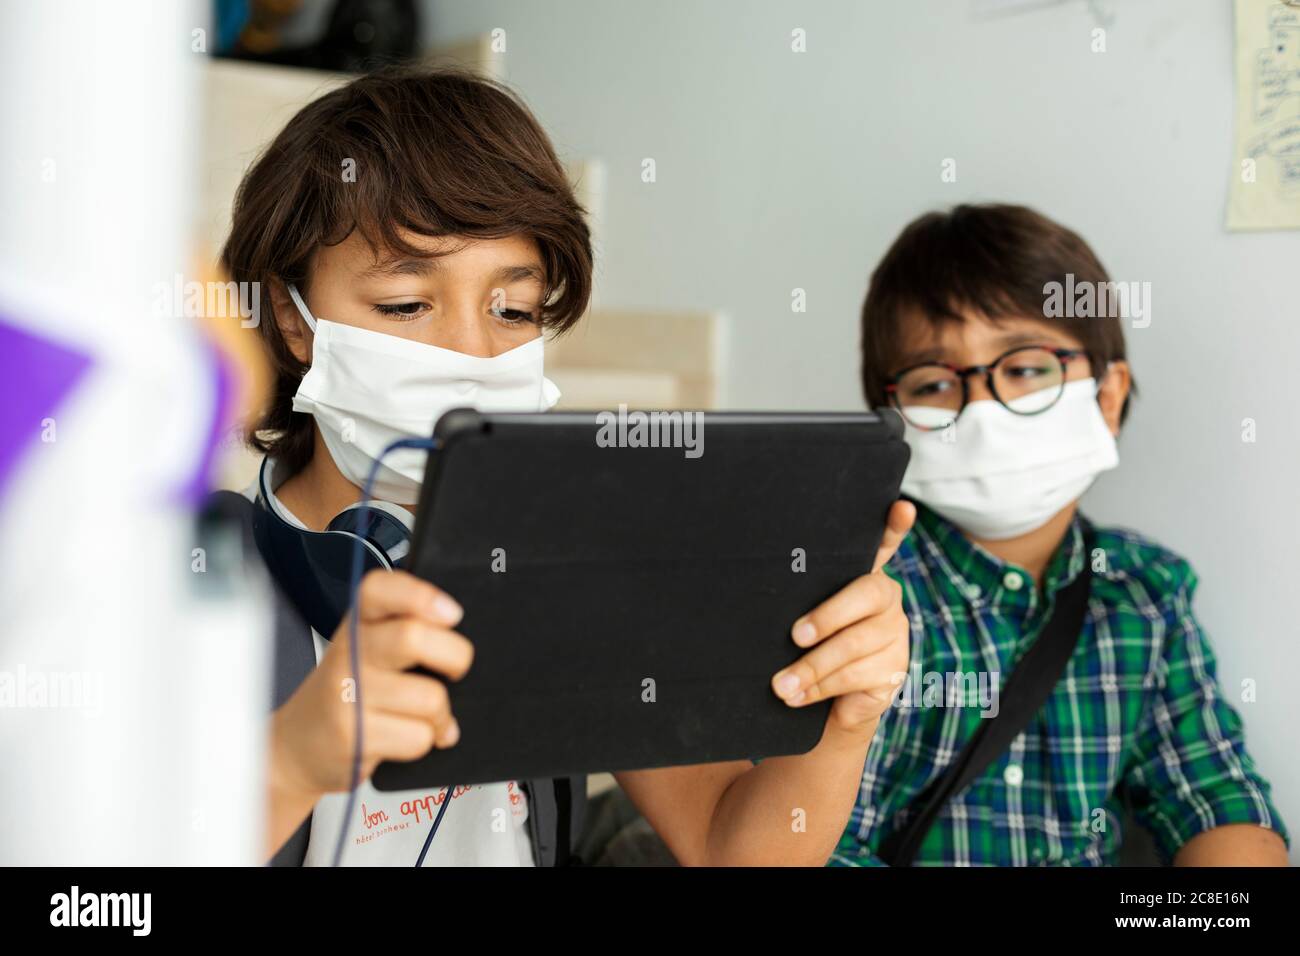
995 260
438 153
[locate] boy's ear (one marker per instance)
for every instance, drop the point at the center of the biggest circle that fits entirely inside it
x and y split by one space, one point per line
296 334
1113 392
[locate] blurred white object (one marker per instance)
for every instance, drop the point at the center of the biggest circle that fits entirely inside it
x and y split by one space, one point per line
99 581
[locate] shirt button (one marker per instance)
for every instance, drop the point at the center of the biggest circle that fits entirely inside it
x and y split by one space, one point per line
1012 581
973 591
1013 775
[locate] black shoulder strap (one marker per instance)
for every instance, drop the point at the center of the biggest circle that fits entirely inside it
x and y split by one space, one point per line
1024 692
564 821
556 808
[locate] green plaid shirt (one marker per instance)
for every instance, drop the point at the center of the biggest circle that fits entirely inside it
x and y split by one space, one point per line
1137 717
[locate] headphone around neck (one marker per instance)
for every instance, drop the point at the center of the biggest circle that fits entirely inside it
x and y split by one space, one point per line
314 568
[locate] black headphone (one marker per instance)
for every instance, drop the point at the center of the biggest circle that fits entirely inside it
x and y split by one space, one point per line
314 568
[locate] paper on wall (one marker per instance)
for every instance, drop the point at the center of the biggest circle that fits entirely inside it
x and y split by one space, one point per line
1265 183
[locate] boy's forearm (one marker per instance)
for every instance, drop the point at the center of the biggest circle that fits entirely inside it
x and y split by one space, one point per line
790 811
288 804
1234 844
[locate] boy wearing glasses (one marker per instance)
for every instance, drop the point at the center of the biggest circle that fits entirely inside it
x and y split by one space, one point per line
1010 416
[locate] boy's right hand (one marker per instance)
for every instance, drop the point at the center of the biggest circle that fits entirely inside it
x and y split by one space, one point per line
404 621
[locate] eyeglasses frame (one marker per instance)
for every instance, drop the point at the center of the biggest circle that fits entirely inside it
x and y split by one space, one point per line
1065 356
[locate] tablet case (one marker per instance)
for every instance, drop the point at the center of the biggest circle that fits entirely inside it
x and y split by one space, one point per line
629 605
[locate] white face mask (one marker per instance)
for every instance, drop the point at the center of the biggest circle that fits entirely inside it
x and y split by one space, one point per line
996 474
368 389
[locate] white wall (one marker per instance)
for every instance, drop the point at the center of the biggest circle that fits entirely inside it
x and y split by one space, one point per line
779 170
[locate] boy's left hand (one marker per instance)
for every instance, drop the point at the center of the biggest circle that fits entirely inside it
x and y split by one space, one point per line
860 640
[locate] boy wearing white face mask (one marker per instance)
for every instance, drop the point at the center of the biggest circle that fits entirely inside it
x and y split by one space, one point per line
1010 416
425 284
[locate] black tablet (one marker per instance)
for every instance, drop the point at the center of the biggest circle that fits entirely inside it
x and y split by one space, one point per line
630 580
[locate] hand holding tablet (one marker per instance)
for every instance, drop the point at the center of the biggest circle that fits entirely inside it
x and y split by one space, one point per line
629 605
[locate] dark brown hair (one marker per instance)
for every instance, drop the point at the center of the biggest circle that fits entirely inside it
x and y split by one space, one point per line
438 153
995 260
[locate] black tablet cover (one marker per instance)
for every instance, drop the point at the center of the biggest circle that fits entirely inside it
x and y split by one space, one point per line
629 605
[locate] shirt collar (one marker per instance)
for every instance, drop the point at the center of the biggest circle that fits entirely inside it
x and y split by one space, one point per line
984 578
277 473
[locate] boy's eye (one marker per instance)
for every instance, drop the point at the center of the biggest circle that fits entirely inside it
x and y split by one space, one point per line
1027 371
512 316
400 310
410 310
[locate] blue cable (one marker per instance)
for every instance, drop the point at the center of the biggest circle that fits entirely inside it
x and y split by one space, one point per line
354 617
434 829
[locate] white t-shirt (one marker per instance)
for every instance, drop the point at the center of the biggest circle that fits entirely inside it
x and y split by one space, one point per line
486 824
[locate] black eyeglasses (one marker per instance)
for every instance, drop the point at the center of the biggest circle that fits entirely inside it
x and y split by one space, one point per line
1027 380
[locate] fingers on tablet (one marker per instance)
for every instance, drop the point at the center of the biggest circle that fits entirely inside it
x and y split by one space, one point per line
386 594
901 516
864 597
401 643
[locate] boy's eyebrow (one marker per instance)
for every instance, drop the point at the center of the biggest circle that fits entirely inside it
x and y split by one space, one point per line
1005 342
921 357
520 273
415 266
418 266
1013 339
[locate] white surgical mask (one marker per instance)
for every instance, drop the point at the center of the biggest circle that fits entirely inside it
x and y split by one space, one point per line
996 474
368 389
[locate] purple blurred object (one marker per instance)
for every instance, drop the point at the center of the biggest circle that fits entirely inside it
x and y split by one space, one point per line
38 375
199 485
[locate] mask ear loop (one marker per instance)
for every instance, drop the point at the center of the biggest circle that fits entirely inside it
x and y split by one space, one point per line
1101 382
302 306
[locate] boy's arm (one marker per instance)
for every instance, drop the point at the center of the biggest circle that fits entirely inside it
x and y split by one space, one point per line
793 810
1233 844
1192 782
289 802
402 622
786 811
